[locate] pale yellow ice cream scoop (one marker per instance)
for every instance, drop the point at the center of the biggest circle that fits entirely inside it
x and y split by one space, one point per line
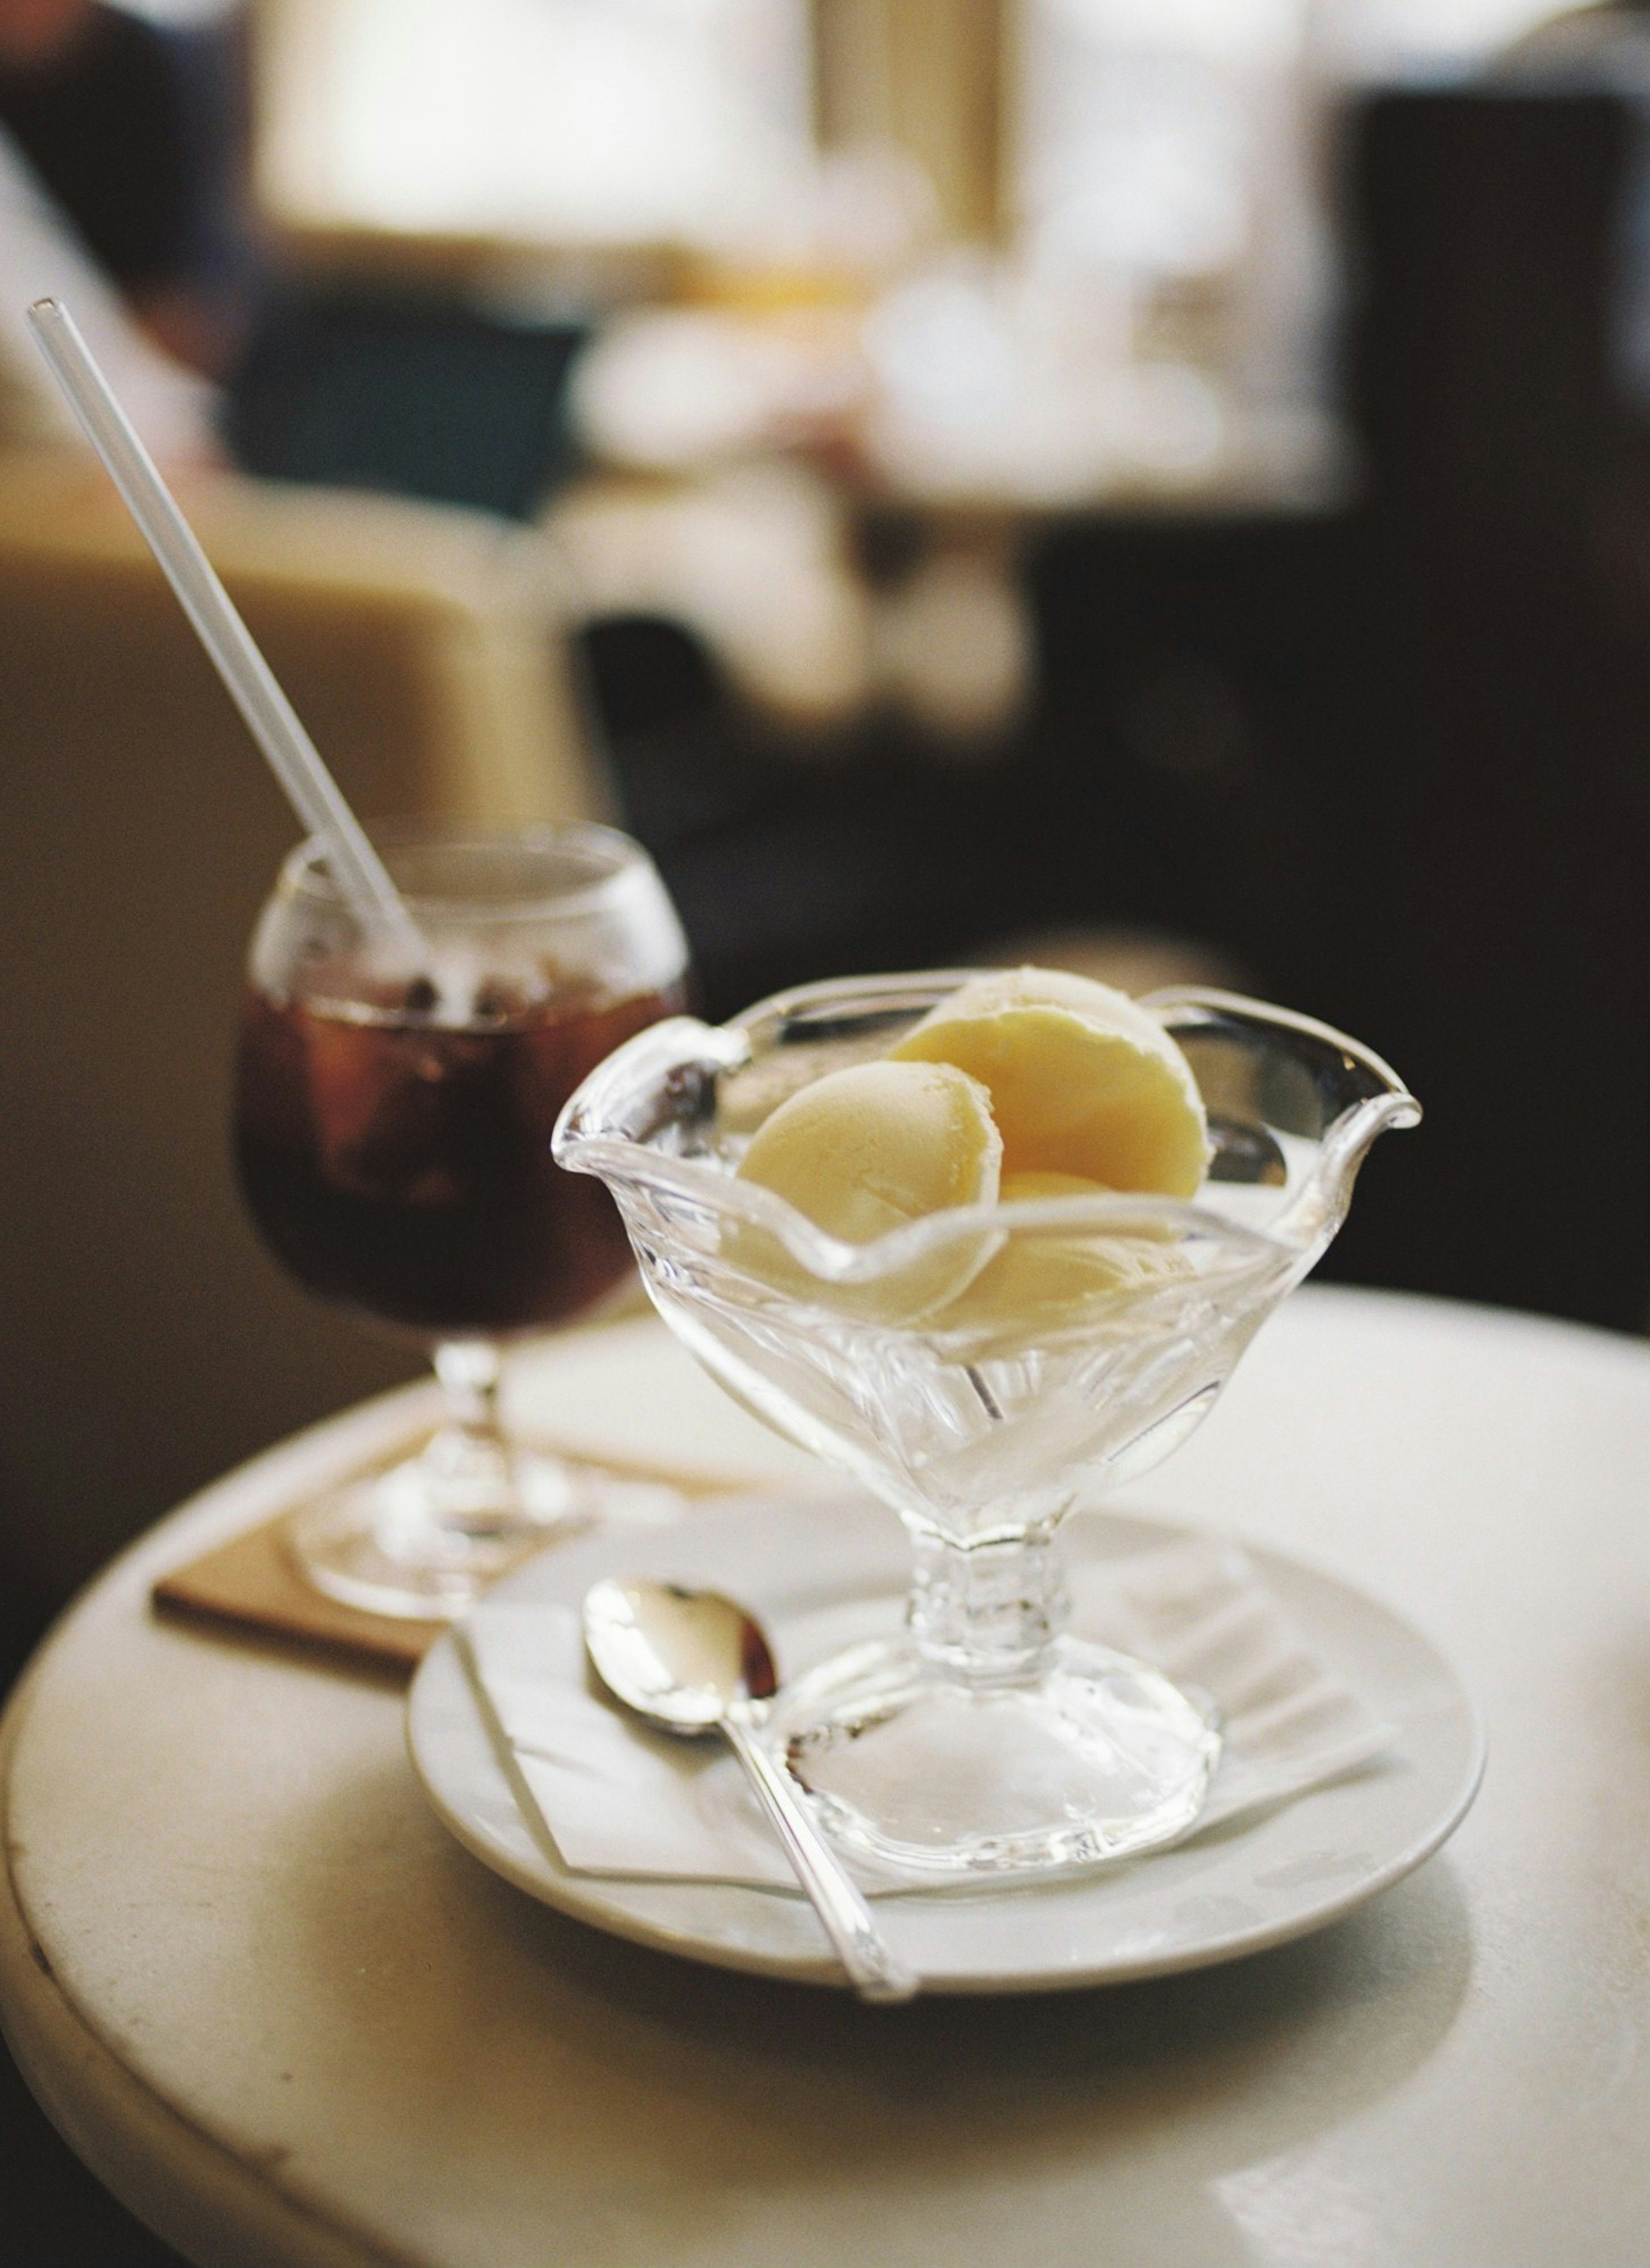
1058 1280
1082 1080
867 1149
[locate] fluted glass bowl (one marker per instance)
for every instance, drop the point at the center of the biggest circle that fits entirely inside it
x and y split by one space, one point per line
984 1372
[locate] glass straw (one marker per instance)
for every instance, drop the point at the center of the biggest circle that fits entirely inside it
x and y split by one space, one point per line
270 718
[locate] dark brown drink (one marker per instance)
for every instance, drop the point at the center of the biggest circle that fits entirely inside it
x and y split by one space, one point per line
400 1166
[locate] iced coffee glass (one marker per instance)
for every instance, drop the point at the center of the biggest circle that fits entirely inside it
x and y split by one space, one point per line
988 1739
392 1127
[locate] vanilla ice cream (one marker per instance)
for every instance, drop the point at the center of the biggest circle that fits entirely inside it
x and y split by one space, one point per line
1025 1084
1082 1080
1049 1280
869 1149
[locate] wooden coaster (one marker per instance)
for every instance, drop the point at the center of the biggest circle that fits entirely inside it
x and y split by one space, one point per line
252 1585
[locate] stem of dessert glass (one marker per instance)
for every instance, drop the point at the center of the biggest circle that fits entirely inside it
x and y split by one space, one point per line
471 1443
984 1612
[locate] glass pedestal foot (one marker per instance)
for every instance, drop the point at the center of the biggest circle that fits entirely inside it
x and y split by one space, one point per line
1091 1757
425 1538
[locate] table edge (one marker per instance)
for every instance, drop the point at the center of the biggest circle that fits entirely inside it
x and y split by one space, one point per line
188 2188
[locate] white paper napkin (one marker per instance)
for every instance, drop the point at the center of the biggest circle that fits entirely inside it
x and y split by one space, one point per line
617 1798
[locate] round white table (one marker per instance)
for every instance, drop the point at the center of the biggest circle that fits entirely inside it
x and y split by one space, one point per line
287 2020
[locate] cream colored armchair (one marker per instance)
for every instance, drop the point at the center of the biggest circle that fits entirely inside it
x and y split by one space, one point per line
145 1340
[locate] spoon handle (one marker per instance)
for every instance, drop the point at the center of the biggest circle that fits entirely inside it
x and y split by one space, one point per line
872 1971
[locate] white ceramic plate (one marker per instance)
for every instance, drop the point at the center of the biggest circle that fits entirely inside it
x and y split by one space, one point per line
1242 1887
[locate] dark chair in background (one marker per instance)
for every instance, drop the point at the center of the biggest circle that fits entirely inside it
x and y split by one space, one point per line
793 856
1177 765
1493 670
1396 761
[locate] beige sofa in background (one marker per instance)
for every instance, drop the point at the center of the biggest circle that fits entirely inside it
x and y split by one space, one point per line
145 1341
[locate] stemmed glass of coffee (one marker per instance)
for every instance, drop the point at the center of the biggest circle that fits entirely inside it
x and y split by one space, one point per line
392 1135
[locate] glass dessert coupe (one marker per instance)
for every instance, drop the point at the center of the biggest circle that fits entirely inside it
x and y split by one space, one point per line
987 1741
392 1135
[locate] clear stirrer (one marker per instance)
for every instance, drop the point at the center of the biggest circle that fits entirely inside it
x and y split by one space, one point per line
270 718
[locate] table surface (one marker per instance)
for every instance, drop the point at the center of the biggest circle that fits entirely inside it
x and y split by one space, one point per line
287 2020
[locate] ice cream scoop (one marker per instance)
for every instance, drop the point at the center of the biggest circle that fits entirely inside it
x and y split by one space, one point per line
869 1149
1082 1080
1061 1280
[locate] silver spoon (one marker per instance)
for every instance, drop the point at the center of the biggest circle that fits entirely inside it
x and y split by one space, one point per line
693 1662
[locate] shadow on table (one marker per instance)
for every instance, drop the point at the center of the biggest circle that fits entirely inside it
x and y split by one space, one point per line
1142 2098
1139 2105
956 2125
56 2215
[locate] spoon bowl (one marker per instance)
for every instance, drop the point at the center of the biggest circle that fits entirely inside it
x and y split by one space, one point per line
694 1662
684 1660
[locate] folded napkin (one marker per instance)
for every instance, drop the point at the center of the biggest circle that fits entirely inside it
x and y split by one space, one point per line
617 1798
